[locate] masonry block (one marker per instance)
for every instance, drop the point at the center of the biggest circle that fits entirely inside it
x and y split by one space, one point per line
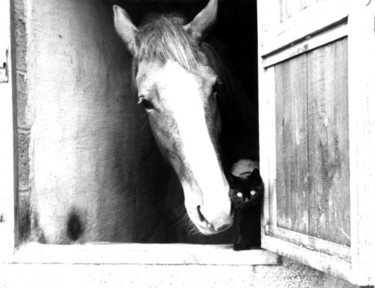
24 215
22 99
23 159
20 33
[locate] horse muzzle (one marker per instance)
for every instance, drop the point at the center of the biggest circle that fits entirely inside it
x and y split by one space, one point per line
213 223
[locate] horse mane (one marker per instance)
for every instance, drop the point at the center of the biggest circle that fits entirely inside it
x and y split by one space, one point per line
163 38
239 138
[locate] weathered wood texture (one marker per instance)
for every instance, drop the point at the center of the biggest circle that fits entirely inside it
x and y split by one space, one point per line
312 144
291 143
329 143
288 8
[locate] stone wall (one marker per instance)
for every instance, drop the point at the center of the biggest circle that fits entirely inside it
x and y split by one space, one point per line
23 126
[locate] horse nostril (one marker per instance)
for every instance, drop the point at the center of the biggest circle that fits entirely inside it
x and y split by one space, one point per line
201 217
224 227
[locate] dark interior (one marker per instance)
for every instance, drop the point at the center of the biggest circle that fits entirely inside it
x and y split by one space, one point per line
234 37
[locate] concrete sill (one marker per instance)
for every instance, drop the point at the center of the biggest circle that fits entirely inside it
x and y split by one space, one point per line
152 254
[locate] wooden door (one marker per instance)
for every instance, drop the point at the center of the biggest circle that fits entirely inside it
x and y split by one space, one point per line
316 129
7 221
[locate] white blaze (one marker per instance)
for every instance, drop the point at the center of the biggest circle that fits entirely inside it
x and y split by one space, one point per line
181 93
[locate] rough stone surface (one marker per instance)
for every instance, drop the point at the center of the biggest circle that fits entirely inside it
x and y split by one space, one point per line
293 274
24 215
23 132
23 159
22 120
20 34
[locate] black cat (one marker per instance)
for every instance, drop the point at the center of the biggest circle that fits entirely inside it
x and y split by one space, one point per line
246 194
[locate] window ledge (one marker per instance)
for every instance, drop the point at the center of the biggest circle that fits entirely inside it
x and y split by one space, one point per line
155 254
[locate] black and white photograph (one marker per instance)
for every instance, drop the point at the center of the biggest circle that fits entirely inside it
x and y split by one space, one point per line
187 143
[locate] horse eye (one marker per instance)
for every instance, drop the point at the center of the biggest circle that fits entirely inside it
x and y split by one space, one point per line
215 87
146 103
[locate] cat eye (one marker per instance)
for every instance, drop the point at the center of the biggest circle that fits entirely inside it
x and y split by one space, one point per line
239 194
252 192
145 103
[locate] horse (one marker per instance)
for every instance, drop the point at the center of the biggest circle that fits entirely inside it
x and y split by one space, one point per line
200 120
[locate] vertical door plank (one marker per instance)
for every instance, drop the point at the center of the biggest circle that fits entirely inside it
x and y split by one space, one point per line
291 143
288 8
361 103
328 143
283 10
267 150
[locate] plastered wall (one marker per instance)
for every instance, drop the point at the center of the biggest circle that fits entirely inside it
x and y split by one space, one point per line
95 173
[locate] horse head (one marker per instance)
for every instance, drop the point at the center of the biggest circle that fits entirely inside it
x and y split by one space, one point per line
178 88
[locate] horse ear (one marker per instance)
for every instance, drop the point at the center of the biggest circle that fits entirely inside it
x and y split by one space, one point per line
203 21
125 28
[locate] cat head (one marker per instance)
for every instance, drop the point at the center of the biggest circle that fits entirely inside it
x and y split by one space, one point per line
246 190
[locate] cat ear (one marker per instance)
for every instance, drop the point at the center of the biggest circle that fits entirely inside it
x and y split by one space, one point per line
232 179
256 175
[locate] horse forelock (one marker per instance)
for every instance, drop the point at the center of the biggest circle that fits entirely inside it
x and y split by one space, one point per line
239 137
164 38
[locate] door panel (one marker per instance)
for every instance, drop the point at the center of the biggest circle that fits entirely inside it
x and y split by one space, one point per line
312 177
291 148
313 98
329 201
